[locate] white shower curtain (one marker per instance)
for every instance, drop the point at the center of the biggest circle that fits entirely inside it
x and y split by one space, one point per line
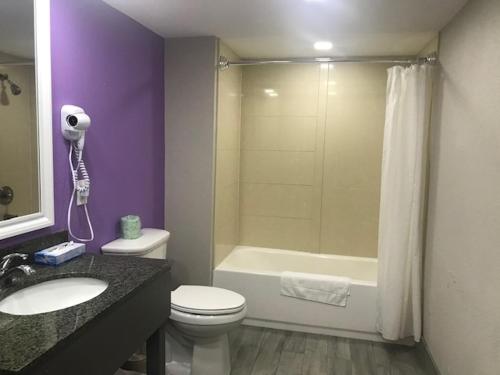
402 202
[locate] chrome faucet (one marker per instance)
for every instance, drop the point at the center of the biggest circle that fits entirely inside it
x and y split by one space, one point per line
5 266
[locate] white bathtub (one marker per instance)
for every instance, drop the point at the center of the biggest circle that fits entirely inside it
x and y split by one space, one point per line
255 273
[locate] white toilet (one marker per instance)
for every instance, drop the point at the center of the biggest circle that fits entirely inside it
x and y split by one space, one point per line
202 315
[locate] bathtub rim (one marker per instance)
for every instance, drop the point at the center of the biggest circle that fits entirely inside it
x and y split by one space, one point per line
224 267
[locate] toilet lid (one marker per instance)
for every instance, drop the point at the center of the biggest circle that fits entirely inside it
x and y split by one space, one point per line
206 300
149 239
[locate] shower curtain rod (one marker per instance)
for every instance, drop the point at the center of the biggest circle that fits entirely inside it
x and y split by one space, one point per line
225 63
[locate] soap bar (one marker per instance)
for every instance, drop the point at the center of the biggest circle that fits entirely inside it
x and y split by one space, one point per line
59 253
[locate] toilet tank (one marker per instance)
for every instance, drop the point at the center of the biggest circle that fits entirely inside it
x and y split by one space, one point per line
152 244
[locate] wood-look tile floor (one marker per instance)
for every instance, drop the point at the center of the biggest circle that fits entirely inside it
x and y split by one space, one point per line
262 351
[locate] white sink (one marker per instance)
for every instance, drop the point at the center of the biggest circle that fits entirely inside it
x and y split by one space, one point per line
52 295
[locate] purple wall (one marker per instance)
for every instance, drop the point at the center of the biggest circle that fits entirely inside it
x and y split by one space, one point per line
111 66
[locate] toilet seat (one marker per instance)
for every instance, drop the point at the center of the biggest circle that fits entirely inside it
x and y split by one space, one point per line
207 312
207 320
206 300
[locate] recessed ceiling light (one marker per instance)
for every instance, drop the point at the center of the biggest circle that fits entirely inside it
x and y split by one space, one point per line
323 45
323 59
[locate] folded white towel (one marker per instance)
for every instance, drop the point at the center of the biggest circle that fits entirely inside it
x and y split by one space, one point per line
333 290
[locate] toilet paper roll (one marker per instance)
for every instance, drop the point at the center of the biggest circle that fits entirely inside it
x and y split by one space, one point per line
131 227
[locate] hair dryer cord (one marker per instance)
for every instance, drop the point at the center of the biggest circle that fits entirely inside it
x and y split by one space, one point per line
78 189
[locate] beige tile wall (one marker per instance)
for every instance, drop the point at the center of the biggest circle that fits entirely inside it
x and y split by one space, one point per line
227 165
311 146
282 111
353 155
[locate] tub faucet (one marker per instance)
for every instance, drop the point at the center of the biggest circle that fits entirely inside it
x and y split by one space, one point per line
5 266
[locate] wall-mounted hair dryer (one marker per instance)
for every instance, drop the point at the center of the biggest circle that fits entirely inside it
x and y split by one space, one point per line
74 124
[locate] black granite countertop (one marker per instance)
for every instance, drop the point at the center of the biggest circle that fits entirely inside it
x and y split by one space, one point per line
26 339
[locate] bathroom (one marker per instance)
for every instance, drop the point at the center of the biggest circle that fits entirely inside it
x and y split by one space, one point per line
249 187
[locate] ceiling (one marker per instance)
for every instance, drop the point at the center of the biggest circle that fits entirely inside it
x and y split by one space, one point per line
288 28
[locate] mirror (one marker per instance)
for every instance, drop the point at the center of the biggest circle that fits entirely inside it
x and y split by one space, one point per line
26 186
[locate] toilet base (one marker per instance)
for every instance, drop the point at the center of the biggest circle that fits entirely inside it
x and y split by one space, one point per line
178 352
198 356
211 356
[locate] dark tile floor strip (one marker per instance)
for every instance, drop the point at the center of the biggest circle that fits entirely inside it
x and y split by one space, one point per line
262 351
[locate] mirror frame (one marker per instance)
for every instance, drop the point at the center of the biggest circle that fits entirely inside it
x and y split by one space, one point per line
45 217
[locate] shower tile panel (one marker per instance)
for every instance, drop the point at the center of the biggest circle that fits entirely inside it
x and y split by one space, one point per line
227 163
279 133
290 201
353 156
228 167
278 232
277 167
226 233
290 99
271 74
281 156
311 150
229 118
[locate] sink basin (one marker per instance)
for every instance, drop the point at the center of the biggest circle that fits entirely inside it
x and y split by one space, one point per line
52 295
